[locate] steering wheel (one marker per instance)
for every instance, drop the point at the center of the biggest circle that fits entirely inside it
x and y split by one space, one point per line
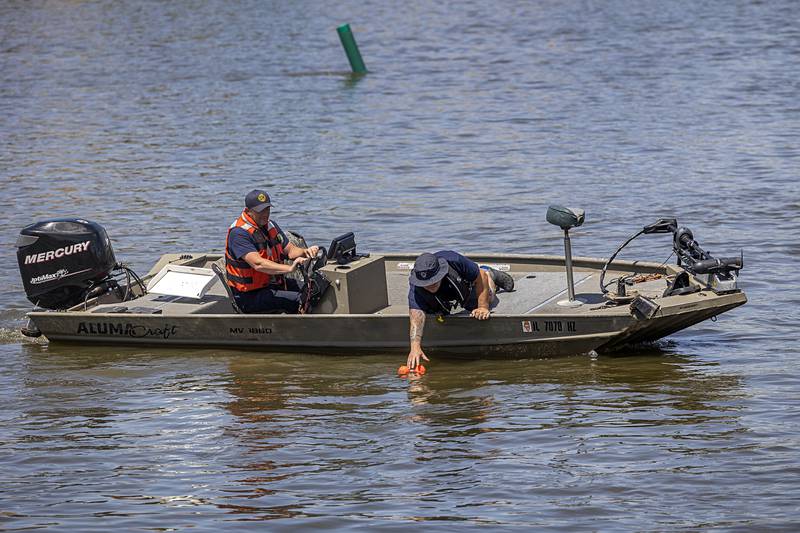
314 264
307 271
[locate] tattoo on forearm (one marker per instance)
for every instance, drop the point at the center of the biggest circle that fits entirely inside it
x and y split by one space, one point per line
417 324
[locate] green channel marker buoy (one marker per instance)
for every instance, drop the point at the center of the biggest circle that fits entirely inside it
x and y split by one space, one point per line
351 49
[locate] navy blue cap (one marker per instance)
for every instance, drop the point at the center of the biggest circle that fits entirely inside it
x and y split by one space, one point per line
257 200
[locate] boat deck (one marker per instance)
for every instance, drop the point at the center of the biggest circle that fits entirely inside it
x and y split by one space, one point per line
531 291
538 289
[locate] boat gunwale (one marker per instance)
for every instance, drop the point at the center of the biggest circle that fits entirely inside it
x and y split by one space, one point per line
708 295
544 260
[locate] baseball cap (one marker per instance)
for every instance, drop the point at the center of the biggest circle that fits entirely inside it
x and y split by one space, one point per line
257 200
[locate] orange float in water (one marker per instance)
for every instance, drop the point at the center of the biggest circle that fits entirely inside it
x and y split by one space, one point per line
420 370
402 371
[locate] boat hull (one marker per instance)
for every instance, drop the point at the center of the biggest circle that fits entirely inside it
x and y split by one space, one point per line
518 336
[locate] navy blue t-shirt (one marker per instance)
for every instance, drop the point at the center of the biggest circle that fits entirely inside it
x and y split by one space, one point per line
242 243
419 298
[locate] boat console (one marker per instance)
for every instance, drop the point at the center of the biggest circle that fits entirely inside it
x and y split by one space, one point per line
356 287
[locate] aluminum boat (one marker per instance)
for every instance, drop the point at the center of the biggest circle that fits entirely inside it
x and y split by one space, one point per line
560 305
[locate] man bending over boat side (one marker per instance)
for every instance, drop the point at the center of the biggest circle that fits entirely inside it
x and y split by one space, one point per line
255 249
442 281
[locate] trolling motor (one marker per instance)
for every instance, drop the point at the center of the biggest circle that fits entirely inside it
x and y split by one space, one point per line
717 274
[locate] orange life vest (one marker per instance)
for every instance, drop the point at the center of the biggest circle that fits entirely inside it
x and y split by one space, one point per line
241 276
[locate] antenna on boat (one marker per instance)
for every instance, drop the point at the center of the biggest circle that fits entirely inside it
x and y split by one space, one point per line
566 218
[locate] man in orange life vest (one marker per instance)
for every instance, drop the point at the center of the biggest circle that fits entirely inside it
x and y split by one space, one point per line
254 252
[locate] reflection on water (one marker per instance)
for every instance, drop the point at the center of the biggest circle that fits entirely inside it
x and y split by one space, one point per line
250 437
328 421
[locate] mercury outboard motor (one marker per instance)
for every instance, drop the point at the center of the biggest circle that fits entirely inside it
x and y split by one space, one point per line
63 262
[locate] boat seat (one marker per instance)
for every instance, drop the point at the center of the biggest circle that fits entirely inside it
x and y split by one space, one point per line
565 217
221 275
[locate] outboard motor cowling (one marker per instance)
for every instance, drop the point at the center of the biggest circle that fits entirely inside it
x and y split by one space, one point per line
62 260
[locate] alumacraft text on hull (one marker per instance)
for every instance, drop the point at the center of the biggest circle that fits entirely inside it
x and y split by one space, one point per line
560 305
